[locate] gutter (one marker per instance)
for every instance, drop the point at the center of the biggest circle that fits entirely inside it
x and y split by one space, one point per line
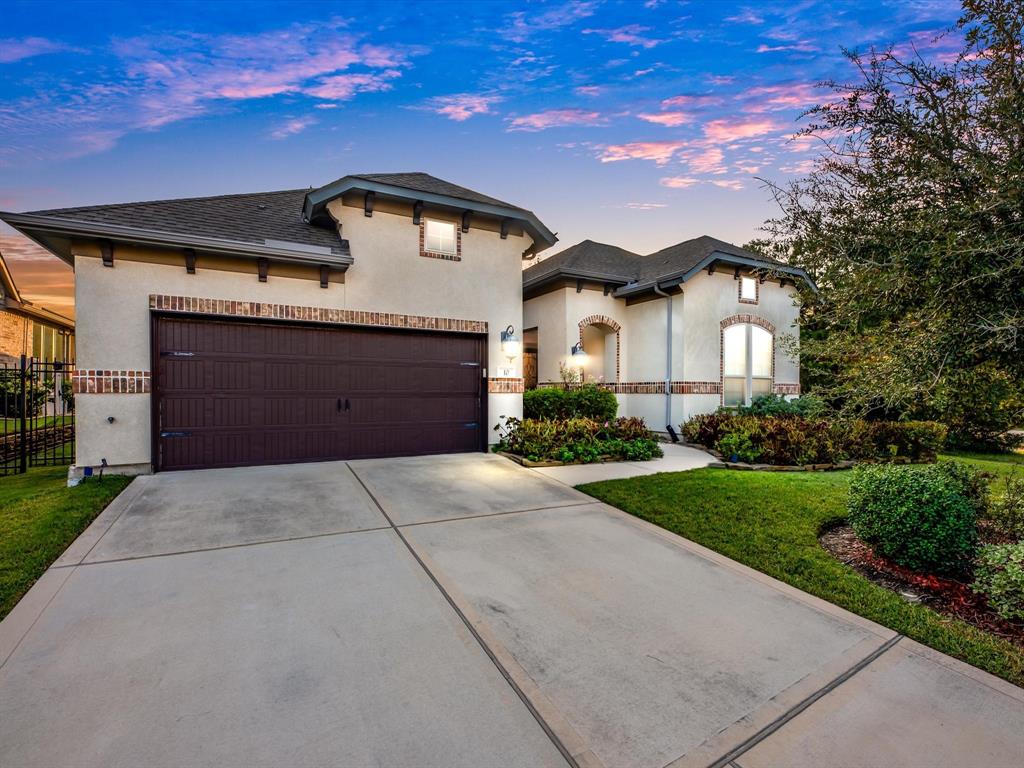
668 356
27 223
672 280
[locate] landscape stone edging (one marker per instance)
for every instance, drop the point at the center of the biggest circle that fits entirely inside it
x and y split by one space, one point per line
532 464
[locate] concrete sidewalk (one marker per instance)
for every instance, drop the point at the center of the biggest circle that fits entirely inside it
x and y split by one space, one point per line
677 458
453 611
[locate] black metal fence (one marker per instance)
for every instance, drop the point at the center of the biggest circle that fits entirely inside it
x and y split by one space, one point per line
37 415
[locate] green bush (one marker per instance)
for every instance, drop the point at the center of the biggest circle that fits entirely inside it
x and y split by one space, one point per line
795 440
808 406
577 440
999 576
917 517
588 401
737 446
1006 509
10 395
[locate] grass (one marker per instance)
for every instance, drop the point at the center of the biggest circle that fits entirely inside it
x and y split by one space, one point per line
39 517
770 521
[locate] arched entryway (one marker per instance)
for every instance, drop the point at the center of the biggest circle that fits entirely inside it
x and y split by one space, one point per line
600 337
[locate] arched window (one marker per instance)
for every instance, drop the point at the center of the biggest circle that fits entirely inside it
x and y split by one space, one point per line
746 363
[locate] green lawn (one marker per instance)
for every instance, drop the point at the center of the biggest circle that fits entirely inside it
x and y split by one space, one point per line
770 521
39 517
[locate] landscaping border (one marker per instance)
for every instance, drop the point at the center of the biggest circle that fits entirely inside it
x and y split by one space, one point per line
839 465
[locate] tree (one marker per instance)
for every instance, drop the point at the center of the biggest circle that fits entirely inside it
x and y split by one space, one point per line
912 223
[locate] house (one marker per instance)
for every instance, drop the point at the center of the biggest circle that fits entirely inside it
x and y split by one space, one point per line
31 330
683 331
374 316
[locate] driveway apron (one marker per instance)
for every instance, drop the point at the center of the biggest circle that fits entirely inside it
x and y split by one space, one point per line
453 610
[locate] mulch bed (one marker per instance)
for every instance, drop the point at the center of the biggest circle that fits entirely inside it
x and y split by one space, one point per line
947 596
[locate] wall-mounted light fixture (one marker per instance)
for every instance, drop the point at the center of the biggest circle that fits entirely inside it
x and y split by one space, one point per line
510 345
579 357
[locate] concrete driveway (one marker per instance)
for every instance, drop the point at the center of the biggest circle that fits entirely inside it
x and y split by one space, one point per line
449 611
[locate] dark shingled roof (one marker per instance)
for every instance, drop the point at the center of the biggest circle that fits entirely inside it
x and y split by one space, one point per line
619 265
424 182
249 218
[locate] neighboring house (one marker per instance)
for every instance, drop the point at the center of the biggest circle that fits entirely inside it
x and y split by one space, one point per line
360 319
27 329
727 309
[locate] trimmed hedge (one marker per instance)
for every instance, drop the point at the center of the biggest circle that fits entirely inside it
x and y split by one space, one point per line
794 440
577 440
918 517
587 402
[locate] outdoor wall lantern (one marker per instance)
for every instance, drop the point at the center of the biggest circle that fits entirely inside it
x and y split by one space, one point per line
578 355
509 343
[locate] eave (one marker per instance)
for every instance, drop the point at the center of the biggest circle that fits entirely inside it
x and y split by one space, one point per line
55 235
314 209
676 279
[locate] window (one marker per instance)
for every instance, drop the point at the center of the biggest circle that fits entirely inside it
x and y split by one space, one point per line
746 363
748 290
439 237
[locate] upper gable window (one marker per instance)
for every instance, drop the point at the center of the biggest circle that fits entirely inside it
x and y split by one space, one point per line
748 290
439 237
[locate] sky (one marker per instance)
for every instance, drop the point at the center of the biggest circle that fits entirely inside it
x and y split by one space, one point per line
639 124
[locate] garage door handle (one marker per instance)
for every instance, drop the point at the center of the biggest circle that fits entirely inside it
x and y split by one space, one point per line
340 407
346 404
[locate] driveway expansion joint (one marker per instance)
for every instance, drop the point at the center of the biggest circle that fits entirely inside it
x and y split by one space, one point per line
729 758
565 752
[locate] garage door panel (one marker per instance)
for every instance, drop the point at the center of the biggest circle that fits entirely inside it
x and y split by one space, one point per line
236 393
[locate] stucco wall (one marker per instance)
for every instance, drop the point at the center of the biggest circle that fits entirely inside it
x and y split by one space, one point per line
389 275
697 314
712 298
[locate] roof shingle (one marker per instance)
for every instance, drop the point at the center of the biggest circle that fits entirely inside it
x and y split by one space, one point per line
250 218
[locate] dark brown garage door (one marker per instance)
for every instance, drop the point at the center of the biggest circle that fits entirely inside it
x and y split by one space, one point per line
231 394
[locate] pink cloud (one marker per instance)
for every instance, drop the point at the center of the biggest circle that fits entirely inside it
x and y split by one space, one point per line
556 118
521 27
709 160
670 119
292 127
678 182
461 106
767 98
168 78
344 87
726 131
746 16
691 101
631 34
733 184
12 49
589 90
802 46
661 152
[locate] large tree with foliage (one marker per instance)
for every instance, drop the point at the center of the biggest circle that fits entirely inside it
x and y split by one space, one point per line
913 225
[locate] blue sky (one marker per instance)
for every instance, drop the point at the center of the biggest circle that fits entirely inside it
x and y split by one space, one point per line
635 123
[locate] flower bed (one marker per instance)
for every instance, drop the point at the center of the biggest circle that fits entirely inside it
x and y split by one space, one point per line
576 441
795 441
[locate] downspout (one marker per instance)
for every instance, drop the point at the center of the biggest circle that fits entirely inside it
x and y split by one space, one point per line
668 356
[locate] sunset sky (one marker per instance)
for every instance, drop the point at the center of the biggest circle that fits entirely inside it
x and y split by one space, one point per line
634 123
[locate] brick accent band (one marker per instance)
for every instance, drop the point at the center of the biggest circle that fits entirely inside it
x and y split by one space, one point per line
786 389
89 381
505 386
657 387
264 311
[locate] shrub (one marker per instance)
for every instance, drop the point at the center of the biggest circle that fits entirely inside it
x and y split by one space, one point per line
999 576
577 440
738 446
793 439
917 517
1006 509
588 401
808 406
